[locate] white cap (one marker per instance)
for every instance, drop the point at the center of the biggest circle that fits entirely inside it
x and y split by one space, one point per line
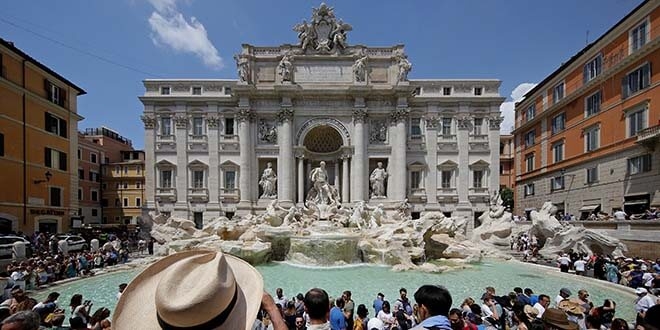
641 291
375 323
644 267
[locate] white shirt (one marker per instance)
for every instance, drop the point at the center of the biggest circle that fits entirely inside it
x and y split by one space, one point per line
540 309
485 309
17 276
564 260
645 303
648 279
558 299
620 215
579 265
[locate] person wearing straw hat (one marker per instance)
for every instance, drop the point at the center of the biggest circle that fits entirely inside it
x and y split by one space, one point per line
196 289
554 318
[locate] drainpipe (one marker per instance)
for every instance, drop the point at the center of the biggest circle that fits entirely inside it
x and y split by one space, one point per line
24 148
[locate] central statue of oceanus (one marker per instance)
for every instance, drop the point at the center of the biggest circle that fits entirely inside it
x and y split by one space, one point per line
322 195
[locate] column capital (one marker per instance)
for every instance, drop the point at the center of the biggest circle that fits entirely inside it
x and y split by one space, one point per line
181 121
431 122
464 122
495 121
300 154
359 114
212 121
149 121
284 115
244 114
399 114
345 157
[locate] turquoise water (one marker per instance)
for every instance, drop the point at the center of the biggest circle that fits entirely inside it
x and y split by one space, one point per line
366 281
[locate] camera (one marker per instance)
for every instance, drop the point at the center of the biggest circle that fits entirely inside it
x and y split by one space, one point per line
88 302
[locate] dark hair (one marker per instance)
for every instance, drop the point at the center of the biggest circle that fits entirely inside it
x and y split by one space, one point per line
77 323
594 321
456 311
99 315
76 300
300 297
362 311
536 324
348 293
528 291
403 290
386 304
476 309
543 296
652 317
122 286
27 319
339 302
317 303
619 324
435 298
518 290
53 296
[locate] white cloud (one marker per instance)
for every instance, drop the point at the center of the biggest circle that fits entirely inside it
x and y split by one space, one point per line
171 29
507 108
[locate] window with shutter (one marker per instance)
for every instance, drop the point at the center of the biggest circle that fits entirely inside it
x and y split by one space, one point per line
47 157
62 161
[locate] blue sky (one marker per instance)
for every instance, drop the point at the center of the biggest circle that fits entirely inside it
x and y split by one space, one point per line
109 47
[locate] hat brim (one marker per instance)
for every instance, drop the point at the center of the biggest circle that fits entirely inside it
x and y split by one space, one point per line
136 308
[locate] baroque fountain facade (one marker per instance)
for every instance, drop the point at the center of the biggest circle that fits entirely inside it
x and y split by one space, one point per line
325 153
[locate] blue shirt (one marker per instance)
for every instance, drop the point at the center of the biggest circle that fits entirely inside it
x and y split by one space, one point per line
337 320
378 305
533 299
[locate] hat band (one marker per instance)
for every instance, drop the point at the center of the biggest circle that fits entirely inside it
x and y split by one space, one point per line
211 324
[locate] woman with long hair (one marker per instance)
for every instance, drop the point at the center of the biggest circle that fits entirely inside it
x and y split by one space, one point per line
80 308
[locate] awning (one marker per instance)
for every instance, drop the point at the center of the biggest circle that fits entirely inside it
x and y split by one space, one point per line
589 208
636 202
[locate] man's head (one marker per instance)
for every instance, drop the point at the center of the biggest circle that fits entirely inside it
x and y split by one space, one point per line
565 293
25 320
300 322
528 292
583 295
279 292
346 295
491 290
403 293
380 296
122 287
544 300
322 164
362 311
433 300
518 290
52 297
317 304
456 319
652 318
592 322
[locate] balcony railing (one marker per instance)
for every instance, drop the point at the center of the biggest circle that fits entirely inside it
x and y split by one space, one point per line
648 133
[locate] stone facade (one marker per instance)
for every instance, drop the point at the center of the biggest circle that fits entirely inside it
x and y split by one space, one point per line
322 100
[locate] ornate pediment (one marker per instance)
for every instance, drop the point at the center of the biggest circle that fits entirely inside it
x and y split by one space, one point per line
324 33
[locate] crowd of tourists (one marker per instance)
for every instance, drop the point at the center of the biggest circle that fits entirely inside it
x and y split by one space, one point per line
433 308
47 266
631 272
21 312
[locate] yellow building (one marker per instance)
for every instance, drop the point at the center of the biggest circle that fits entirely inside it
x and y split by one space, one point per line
38 145
123 189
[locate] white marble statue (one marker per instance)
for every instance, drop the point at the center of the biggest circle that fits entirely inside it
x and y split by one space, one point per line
243 69
377 180
339 34
285 68
306 35
268 182
360 69
403 210
357 216
404 67
321 192
376 217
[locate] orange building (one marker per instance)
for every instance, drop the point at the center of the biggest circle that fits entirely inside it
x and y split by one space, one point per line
123 193
587 136
38 144
90 158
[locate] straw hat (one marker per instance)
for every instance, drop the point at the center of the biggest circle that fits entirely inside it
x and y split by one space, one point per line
196 289
531 312
571 306
556 318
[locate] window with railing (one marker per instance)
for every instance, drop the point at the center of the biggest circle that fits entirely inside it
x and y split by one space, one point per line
636 121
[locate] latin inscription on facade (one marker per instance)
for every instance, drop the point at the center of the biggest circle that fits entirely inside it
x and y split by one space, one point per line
323 73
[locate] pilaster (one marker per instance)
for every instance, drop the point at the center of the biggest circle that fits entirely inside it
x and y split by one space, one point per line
244 116
431 183
150 174
212 122
359 189
181 138
399 140
285 165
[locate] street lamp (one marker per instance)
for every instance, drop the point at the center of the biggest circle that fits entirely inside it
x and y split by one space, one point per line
48 175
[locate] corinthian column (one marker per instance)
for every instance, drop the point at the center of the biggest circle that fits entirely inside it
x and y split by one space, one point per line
398 157
432 160
285 162
244 117
344 179
359 187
